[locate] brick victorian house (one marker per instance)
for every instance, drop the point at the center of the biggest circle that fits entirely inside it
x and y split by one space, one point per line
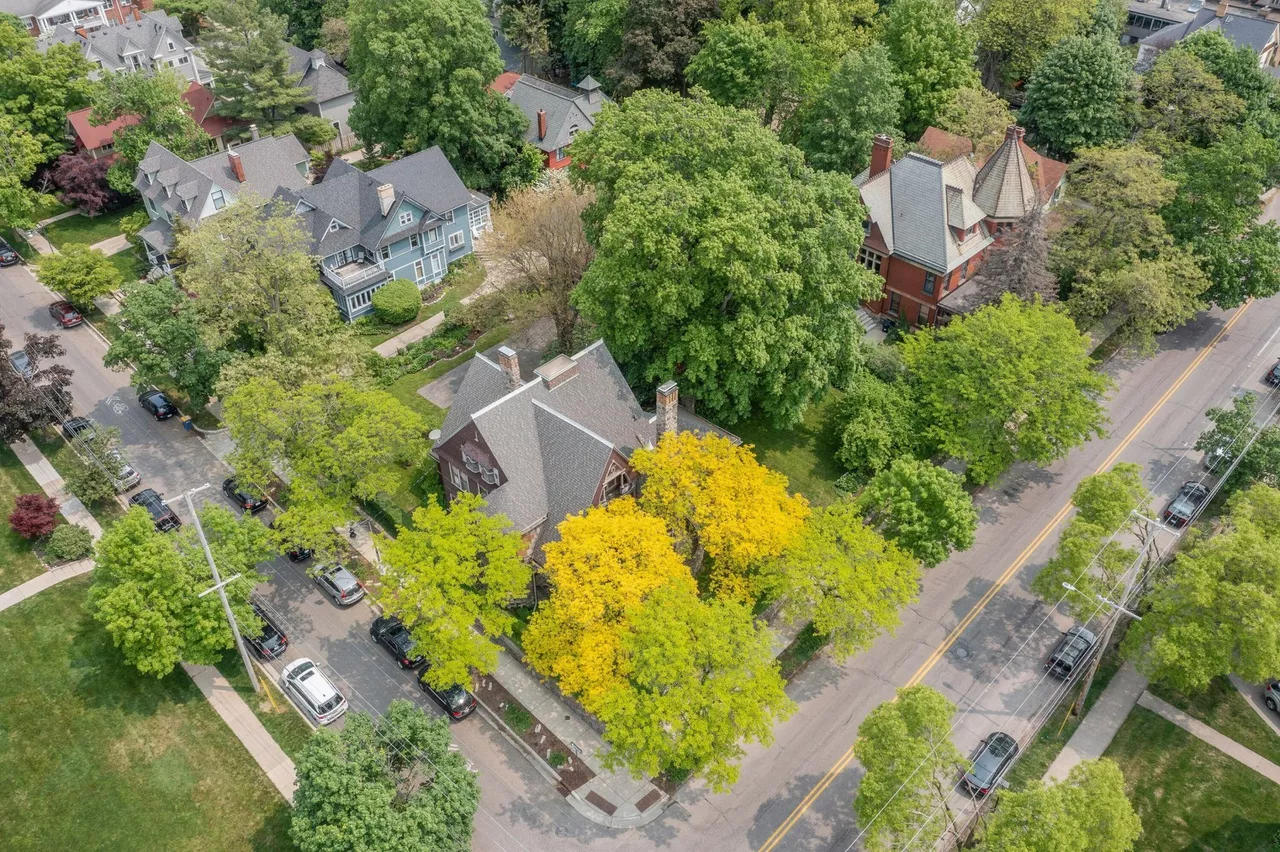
543 443
934 213
556 114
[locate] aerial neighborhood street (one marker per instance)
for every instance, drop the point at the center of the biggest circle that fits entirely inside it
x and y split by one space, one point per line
647 426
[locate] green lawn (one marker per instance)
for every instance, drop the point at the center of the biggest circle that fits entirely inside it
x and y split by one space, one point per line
1189 795
18 243
804 453
64 461
82 229
131 266
463 278
276 713
97 756
48 206
1224 709
17 561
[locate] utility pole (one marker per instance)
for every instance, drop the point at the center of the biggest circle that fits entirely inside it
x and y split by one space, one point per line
220 586
1106 635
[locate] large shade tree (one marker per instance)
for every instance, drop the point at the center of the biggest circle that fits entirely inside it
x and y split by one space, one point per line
159 114
932 53
39 86
29 402
753 65
721 258
1080 96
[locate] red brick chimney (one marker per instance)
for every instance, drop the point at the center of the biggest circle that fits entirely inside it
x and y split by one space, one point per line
237 167
1013 131
542 124
510 365
881 154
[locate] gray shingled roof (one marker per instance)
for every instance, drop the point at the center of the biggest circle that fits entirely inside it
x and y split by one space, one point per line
1003 186
111 44
1240 30
326 82
568 111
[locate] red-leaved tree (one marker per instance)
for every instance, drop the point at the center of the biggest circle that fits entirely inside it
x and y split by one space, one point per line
83 182
33 515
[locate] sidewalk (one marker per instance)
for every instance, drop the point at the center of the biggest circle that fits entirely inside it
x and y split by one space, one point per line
1201 731
240 719
1101 722
389 348
49 480
112 245
52 577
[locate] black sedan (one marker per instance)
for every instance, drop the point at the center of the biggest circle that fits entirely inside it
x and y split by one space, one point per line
157 404
390 633
8 257
1182 508
251 503
456 702
270 642
996 753
1273 375
161 514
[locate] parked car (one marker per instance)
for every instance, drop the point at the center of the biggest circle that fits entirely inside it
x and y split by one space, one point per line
456 702
8 257
79 428
157 404
339 584
65 314
299 554
124 476
21 363
390 633
270 642
1273 375
1182 508
995 754
303 681
251 503
159 510
1074 649
1271 696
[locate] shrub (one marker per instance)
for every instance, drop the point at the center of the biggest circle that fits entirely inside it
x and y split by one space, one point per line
91 484
557 759
518 719
34 515
68 542
397 302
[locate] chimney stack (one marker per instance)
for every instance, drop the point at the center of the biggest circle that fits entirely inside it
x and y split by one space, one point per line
510 365
316 61
881 154
542 124
237 167
1014 132
253 133
668 397
386 197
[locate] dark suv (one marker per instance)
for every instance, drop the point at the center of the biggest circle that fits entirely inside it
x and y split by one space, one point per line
251 503
390 633
157 404
456 702
1182 508
1074 649
270 642
996 753
159 510
8 257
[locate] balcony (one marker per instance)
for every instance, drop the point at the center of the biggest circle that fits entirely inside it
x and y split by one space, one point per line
356 275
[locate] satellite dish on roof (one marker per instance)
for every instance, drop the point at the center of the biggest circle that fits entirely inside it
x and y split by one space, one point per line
434 434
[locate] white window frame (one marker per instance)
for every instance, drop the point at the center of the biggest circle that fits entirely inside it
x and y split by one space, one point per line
458 479
419 270
457 240
415 240
385 252
406 217
438 265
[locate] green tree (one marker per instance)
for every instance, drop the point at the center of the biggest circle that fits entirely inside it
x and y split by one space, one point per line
244 46
1183 104
592 34
1014 37
1086 812
845 578
829 28
421 71
251 271
659 37
304 17
977 114
38 87
158 338
1229 438
20 153
754 66
1238 69
337 442
720 257
394 784
81 274
188 12
525 27
1010 382
932 54
1089 556
1217 611
701 679
875 423
922 508
147 584
911 766
155 100
1080 96
455 569
860 100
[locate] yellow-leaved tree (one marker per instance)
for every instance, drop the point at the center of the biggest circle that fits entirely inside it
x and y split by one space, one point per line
605 565
719 501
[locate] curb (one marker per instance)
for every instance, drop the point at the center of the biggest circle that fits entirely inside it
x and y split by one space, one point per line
501 727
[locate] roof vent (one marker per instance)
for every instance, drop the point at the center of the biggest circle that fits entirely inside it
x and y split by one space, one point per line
557 371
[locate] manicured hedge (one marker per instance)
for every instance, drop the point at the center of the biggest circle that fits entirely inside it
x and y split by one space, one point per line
399 301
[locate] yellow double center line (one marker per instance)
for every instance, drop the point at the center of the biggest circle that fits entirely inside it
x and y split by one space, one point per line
847 757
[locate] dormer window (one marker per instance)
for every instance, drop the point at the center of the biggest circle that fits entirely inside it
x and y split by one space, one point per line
406 218
866 227
219 200
333 226
171 47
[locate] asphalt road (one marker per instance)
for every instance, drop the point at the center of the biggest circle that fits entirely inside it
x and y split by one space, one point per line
795 794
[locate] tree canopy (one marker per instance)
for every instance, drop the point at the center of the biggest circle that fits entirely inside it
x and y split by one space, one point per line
721 259
658 38
922 508
875 423
79 273
155 101
932 53
1013 37
1080 96
20 154
455 568
27 403
754 66
39 87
